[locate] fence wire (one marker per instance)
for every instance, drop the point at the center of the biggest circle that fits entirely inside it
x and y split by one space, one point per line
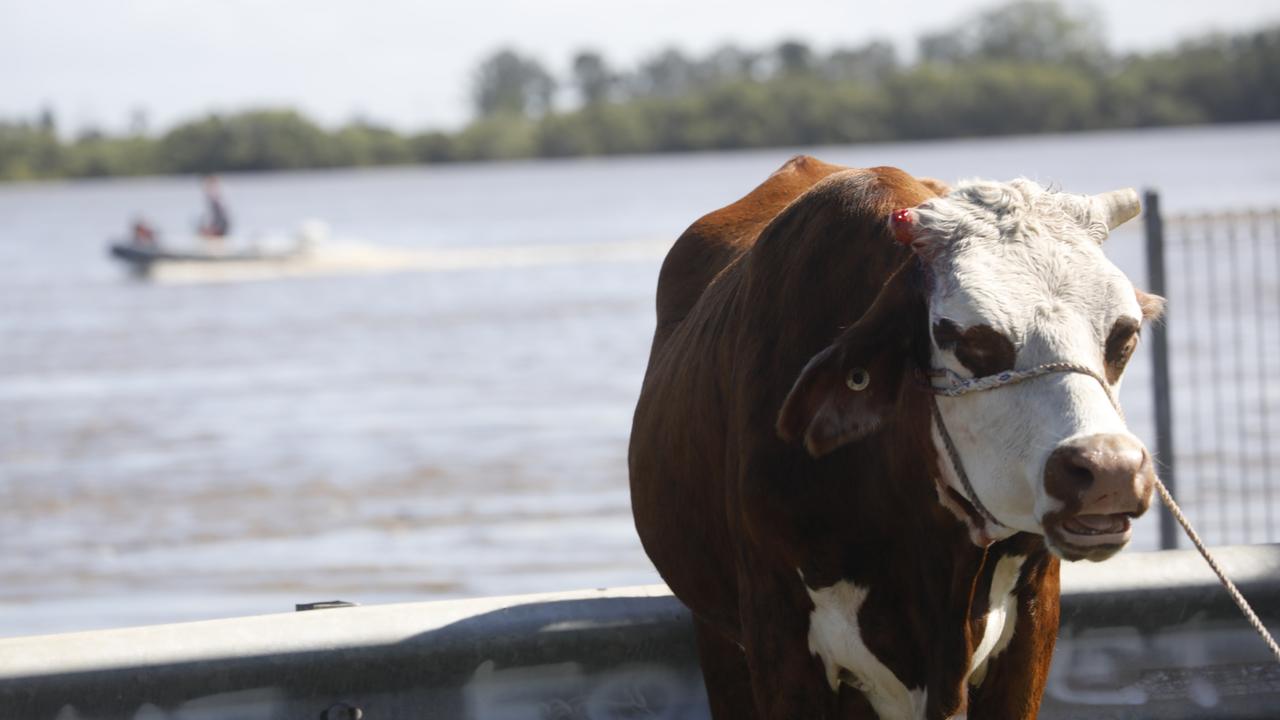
1223 322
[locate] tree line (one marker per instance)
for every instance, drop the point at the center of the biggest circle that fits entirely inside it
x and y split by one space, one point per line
1031 66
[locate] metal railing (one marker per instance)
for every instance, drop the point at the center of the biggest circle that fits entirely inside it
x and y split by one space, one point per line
1216 363
1143 635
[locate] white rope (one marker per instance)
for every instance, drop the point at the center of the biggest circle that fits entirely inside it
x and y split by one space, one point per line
957 385
1232 590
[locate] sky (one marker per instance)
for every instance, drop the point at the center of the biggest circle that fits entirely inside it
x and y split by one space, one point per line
409 63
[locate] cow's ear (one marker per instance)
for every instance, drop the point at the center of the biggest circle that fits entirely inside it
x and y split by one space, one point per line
1152 305
848 390
840 396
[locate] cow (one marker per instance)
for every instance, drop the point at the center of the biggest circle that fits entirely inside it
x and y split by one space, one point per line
877 413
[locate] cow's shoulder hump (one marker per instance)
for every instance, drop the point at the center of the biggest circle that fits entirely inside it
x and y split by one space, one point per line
718 238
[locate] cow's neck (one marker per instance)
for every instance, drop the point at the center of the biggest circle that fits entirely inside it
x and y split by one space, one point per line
925 588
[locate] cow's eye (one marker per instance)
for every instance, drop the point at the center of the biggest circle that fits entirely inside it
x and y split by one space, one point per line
1121 343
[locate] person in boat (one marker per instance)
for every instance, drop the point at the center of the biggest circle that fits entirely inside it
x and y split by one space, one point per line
143 235
216 223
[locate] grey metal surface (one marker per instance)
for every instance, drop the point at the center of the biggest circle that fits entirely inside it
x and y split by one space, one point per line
1145 635
1165 456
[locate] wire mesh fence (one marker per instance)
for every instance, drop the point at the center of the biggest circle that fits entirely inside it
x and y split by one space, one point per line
1221 384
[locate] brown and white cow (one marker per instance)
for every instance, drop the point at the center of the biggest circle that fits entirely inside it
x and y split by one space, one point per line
788 477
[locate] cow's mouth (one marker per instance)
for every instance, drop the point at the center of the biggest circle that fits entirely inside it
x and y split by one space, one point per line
1098 528
1091 537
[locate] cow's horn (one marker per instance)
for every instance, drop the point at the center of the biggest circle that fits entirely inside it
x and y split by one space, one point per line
1117 207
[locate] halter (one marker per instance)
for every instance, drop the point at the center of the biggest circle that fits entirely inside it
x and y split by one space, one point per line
955 386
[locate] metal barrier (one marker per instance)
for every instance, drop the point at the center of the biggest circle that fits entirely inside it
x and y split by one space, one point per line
1145 635
1216 360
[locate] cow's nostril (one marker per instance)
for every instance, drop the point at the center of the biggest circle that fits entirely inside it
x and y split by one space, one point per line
1105 474
1073 467
1080 474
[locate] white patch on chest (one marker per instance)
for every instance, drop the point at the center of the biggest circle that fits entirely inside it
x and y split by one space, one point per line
834 636
1002 616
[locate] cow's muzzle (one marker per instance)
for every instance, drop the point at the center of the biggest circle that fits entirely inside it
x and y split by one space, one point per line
1103 482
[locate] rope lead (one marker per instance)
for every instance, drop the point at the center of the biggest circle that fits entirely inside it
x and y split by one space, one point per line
1232 590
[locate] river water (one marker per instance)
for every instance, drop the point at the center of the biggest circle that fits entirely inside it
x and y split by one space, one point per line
442 412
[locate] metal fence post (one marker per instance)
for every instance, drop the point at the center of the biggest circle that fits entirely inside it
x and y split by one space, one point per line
1160 364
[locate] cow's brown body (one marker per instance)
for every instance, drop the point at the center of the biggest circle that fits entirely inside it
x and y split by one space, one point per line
733 517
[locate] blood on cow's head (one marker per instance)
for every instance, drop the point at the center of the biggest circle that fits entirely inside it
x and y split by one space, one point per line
902 223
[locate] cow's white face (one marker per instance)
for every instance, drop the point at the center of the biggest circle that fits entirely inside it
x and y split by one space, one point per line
1019 279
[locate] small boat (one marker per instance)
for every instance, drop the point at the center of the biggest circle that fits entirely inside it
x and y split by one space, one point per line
141 258
142 254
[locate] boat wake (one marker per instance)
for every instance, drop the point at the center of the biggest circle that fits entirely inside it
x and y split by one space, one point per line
354 258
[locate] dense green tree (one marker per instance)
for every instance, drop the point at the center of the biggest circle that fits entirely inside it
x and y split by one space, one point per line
1037 31
991 98
728 64
602 129
592 77
254 140
508 84
497 137
793 58
943 48
364 143
669 74
30 151
434 147
871 64
1026 67
93 154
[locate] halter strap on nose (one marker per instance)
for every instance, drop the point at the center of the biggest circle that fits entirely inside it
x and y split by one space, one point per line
955 386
